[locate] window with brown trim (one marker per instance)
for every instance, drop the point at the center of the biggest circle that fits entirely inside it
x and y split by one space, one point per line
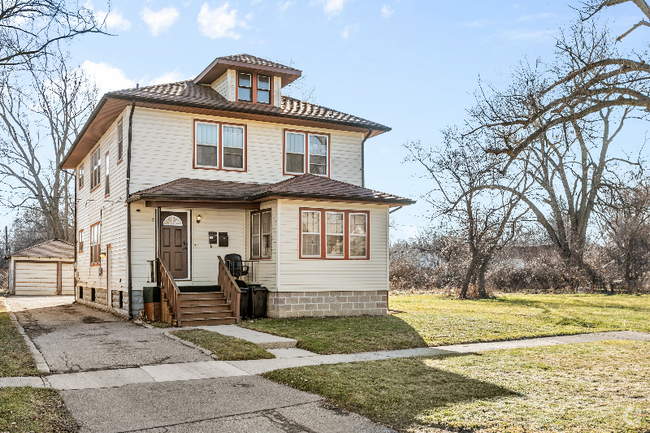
120 140
306 152
245 87
107 189
334 234
95 243
80 176
219 145
263 89
96 169
261 235
81 241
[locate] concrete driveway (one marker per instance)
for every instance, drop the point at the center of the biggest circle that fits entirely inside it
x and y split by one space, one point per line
74 337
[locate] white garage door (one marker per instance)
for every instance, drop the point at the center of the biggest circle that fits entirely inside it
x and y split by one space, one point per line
40 278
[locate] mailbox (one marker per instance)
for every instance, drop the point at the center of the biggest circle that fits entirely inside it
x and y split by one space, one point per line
213 238
223 239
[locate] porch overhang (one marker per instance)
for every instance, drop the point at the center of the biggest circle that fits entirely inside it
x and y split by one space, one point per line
219 194
201 204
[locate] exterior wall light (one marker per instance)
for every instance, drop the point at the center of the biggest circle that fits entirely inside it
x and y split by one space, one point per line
198 219
102 256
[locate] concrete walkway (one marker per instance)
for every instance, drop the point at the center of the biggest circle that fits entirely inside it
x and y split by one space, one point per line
171 387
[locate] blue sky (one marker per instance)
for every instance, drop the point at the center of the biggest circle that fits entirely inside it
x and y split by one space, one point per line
412 65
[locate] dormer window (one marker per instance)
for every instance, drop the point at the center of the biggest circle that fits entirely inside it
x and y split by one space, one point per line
245 87
263 89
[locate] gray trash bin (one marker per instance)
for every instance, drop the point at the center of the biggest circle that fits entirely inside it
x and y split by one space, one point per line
259 296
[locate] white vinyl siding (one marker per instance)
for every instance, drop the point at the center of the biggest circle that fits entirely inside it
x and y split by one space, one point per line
92 208
306 275
169 136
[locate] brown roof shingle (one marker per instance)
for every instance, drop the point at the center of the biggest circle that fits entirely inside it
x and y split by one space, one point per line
52 249
252 60
191 94
305 186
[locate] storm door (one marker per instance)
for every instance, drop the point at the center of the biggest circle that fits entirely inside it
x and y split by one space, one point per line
173 243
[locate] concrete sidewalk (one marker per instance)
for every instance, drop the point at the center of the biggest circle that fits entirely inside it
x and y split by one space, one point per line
119 377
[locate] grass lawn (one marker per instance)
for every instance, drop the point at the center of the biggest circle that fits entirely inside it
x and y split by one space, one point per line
225 347
34 410
591 387
429 319
15 357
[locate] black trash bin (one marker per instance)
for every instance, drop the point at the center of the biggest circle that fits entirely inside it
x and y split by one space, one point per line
245 303
259 295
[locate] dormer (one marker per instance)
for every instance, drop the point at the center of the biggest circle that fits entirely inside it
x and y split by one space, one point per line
246 78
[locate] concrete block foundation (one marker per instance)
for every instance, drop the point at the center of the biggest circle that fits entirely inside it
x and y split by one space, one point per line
325 304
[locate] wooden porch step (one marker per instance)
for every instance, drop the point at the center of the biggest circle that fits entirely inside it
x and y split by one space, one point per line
204 303
208 322
198 295
204 308
206 315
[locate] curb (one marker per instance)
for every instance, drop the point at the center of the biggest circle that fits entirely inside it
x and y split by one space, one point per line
41 365
192 345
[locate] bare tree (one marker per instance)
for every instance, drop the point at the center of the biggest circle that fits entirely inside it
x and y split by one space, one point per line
625 226
487 220
569 163
39 118
31 28
592 77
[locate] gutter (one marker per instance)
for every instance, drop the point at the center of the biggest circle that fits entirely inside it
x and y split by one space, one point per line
363 158
128 211
236 109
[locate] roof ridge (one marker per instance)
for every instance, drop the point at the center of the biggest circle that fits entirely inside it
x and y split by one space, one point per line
42 243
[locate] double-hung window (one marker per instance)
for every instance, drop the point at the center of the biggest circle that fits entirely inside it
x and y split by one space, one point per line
233 147
219 146
261 235
95 245
80 176
81 241
335 234
306 153
96 168
245 87
358 235
295 153
263 89
345 234
311 228
108 175
318 154
120 140
207 145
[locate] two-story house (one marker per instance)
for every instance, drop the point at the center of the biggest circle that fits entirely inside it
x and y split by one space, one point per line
172 177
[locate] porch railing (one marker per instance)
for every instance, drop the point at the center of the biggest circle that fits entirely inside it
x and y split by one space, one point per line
170 294
230 289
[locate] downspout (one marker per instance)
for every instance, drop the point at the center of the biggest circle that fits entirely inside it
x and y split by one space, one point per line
363 158
128 210
76 235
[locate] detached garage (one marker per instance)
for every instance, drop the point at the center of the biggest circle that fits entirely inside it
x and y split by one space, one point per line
43 269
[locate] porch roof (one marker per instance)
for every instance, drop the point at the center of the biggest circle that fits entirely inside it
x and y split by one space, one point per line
306 186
